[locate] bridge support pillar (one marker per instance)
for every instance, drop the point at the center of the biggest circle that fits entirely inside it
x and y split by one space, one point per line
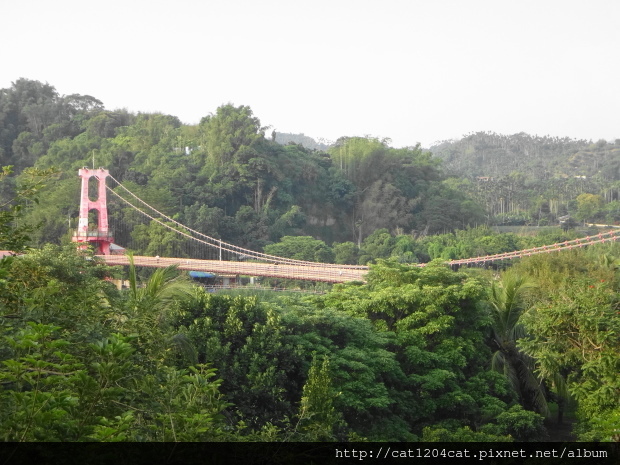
100 237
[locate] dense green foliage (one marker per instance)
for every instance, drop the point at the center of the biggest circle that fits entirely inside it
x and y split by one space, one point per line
523 179
224 176
407 356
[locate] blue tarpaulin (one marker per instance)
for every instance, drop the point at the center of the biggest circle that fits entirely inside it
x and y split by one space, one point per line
201 274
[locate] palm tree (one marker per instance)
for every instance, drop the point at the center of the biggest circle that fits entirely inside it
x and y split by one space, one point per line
507 304
146 305
164 287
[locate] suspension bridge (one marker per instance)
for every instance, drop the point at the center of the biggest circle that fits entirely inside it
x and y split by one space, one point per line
194 251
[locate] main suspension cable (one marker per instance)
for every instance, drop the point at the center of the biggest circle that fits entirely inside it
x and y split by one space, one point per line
218 243
242 252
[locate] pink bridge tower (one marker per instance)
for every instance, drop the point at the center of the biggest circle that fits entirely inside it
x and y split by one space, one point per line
100 237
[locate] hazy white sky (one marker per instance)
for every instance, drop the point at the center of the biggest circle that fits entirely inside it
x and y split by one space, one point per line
411 70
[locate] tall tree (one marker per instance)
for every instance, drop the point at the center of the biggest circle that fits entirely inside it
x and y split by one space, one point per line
317 410
507 305
228 130
575 331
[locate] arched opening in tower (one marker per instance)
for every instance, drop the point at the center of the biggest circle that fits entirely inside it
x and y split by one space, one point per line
93 188
93 219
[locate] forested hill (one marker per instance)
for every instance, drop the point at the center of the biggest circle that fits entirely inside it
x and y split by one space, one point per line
228 177
487 154
308 142
225 176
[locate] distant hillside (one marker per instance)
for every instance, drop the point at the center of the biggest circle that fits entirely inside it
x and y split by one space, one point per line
285 138
486 154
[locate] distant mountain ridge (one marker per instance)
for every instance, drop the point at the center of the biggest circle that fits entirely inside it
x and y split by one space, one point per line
308 142
487 154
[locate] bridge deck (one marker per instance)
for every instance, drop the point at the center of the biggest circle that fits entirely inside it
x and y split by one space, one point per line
307 273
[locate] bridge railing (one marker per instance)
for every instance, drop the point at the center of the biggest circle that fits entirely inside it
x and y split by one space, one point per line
93 233
566 245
